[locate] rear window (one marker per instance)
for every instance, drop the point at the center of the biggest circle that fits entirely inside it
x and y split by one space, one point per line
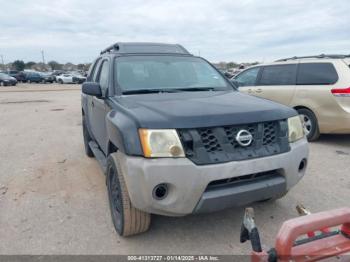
316 74
278 75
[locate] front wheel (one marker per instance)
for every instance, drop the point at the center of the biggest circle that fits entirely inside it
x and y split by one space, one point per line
310 124
127 220
60 81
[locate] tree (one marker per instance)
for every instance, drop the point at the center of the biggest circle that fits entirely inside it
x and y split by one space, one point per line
29 64
232 64
54 65
81 66
18 65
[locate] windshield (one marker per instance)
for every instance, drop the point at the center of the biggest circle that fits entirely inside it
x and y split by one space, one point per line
167 73
2 75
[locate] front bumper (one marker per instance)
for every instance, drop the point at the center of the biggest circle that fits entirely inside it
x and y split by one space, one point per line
187 182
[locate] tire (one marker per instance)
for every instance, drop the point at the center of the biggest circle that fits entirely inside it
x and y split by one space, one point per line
60 81
87 139
310 124
127 220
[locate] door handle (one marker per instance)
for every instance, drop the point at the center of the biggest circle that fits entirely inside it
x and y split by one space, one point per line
259 90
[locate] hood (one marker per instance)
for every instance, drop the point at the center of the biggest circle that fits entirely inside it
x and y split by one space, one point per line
199 109
8 77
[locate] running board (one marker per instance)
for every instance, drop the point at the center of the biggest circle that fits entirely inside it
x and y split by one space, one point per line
99 156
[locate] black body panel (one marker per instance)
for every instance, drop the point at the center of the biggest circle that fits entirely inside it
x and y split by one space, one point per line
200 109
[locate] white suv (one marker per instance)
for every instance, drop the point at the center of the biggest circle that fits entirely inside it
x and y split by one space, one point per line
318 87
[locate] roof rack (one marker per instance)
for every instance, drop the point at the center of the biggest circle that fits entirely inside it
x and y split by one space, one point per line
142 48
314 56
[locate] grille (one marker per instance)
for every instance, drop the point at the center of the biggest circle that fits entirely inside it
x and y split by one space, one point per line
269 133
219 144
209 141
237 181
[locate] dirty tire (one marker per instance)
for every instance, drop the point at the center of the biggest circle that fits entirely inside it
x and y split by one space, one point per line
314 132
87 139
127 220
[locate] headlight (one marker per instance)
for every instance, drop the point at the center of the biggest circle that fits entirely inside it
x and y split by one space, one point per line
161 143
295 129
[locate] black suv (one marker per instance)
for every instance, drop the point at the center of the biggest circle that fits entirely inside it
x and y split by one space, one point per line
174 137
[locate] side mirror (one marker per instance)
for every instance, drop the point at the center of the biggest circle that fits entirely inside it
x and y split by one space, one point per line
235 83
92 89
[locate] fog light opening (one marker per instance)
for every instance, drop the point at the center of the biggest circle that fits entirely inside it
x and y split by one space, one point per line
160 191
302 165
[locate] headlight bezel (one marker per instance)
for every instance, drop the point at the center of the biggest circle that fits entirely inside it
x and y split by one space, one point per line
170 147
295 129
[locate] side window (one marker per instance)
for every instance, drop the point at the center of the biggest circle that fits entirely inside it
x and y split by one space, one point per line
278 75
95 69
248 77
103 77
316 74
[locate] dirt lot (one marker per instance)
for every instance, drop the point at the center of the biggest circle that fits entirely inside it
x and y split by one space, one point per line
53 198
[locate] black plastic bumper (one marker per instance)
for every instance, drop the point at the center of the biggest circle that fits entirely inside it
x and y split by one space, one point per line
241 194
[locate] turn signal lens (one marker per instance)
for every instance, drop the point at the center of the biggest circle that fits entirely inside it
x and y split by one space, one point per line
295 129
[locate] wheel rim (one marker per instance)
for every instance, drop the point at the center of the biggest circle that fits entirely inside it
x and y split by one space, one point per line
115 197
307 124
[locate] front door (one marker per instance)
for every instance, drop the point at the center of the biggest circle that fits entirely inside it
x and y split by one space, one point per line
99 107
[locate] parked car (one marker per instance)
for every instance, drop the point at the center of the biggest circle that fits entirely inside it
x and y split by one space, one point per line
48 77
21 77
174 137
7 80
33 77
70 79
318 87
56 73
12 73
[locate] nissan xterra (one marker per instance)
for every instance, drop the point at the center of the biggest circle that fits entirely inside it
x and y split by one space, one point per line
174 137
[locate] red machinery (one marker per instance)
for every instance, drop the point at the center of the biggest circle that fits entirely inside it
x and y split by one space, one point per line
328 235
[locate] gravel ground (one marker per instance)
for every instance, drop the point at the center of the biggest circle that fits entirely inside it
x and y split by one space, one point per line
53 198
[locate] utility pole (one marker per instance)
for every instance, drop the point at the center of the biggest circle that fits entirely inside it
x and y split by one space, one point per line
2 62
42 54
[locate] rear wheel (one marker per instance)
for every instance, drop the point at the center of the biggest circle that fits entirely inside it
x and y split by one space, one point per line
127 220
310 124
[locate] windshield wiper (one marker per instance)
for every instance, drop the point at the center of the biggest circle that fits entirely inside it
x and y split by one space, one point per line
149 91
190 89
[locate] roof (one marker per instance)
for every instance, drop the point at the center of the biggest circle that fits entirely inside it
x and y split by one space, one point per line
145 48
329 56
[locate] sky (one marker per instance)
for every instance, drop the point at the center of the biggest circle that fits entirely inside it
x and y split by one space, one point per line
218 30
